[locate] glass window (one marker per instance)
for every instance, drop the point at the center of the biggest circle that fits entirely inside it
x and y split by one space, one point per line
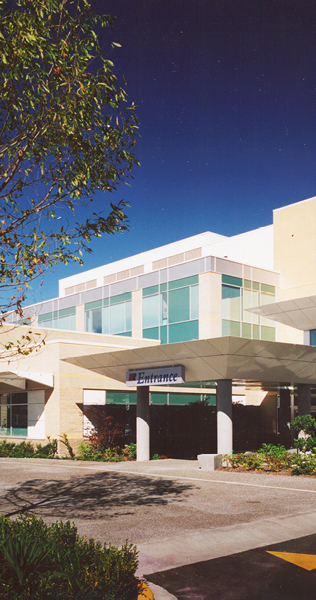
117 318
106 319
121 397
182 332
194 302
156 398
164 308
152 333
313 337
231 328
231 303
13 414
151 311
179 305
268 334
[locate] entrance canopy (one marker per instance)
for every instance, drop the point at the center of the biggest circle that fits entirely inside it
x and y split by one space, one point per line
213 359
17 379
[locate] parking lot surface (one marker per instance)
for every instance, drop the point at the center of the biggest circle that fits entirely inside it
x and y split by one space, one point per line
176 514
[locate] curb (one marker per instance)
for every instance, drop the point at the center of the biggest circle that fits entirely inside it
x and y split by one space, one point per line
145 593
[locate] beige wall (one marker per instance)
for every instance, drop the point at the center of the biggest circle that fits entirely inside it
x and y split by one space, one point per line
63 403
295 249
137 325
210 305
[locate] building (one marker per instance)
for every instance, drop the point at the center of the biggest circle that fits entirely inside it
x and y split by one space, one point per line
238 313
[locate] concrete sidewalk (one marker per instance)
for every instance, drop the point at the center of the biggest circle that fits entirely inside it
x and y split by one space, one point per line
175 513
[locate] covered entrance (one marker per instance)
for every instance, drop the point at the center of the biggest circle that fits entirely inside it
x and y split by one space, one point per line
225 360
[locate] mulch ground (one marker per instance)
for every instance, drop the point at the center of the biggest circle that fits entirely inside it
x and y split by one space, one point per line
283 472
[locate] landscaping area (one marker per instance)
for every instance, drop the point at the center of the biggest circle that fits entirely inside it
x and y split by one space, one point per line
275 458
41 562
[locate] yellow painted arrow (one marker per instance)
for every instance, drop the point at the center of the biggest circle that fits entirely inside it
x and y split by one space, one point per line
306 561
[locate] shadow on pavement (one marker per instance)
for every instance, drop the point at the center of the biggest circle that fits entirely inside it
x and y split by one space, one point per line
97 496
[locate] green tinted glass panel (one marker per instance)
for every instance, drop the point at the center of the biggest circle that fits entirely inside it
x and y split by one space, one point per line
268 334
178 283
93 320
179 305
92 305
183 332
106 319
255 285
125 334
121 298
65 312
183 398
164 334
67 322
230 292
194 304
46 317
246 330
256 332
154 289
163 287
121 397
231 303
128 309
117 318
106 301
151 334
231 328
210 398
247 284
151 311
225 328
269 289
158 398
232 280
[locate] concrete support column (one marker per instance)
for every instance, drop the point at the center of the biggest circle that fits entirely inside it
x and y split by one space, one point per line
285 418
224 416
303 399
142 424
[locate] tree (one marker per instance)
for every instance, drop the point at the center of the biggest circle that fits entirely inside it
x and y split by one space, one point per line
63 136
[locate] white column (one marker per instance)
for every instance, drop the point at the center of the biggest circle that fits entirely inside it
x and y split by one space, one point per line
142 424
224 416
303 399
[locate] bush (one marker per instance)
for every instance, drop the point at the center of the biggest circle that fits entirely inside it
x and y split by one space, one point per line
27 450
304 464
51 562
306 427
105 433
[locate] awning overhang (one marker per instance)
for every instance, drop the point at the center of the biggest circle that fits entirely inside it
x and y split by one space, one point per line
17 379
299 313
213 359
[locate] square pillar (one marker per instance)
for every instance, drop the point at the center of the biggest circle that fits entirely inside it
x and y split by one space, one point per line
142 424
303 399
224 416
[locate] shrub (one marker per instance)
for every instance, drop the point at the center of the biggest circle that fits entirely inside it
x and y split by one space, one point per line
51 562
64 440
105 433
304 464
305 425
27 450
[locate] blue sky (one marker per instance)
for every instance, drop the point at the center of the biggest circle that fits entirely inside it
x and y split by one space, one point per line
226 95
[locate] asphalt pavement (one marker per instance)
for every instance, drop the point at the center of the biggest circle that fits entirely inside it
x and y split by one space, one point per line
182 519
